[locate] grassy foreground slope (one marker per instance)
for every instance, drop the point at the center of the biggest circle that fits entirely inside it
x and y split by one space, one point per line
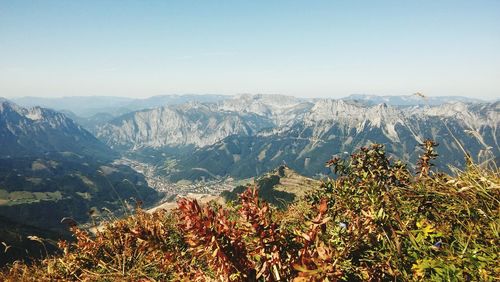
279 187
376 221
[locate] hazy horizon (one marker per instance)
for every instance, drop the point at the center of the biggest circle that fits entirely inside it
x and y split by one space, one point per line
328 49
237 94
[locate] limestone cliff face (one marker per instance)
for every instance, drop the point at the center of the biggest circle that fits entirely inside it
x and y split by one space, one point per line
247 134
188 124
204 124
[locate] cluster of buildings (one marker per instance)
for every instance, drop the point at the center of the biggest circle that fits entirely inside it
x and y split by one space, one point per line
183 187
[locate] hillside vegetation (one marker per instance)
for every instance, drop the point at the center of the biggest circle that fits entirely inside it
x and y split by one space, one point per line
279 187
375 221
52 168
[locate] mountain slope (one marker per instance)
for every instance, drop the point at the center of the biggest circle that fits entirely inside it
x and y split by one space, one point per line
280 187
34 131
188 124
246 135
334 127
52 168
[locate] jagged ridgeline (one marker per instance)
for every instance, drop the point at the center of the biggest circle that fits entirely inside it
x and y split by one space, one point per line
375 221
248 135
51 168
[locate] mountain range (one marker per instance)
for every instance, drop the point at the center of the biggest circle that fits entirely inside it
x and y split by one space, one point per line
90 111
62 163
416 99
88 106
246 135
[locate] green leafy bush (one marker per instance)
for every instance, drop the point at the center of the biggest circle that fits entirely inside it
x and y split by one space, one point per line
375 221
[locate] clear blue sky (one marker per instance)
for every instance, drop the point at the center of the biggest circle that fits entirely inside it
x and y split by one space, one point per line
302 48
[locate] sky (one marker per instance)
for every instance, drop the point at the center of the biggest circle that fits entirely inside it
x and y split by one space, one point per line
301 48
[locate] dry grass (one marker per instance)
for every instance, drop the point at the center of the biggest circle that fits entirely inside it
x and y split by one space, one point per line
376 222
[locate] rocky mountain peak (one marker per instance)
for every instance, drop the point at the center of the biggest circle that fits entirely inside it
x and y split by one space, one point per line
202 124
27 131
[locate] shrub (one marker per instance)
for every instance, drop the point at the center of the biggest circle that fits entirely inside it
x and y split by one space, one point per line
376 221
